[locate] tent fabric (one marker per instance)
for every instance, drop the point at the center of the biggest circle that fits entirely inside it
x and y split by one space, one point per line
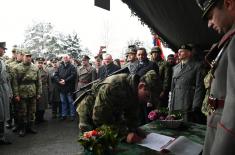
177 22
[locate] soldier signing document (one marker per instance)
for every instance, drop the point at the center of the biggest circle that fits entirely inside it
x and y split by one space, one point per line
117 101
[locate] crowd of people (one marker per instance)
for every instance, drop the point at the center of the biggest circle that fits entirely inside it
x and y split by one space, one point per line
34 85
123 100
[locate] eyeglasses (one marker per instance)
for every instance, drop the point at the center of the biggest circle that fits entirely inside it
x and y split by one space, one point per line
28 56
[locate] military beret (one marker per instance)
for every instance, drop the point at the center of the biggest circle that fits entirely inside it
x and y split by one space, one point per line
186 47
40 59
156 49
85 57
205 6
3 45
151 80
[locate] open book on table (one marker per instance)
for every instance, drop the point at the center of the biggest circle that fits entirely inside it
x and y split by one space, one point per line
178 146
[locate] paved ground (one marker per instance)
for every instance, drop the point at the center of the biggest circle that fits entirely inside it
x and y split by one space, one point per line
55 137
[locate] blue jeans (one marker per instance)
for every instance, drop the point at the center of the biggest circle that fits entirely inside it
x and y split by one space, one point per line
67 106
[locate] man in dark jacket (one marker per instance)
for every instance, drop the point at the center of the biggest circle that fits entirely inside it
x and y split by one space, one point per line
108 68
65 77
144 65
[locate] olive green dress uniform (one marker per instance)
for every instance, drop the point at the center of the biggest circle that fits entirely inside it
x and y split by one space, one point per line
28 86
85 76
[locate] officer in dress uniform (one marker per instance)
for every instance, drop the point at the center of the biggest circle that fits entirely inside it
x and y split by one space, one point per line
187 87
86 73
220 134
4 96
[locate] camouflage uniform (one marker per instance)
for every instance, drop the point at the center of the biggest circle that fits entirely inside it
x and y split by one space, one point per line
27 86
43 101
114 101
165 73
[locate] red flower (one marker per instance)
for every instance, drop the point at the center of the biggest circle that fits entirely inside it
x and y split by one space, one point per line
152 115
87 134
94 133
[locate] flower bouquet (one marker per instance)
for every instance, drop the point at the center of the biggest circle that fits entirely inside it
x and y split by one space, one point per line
99 141
167 119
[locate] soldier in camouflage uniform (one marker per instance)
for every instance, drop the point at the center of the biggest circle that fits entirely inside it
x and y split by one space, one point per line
14 55
26 89
117 101
10 67
42 103
165 73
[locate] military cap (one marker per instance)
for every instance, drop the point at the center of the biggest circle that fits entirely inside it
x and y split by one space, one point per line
3 45
131 50
151 80
14 50
26 52
186 47
206 5
54 60
19 51
40 59
85 57
170 56
156 49
99 57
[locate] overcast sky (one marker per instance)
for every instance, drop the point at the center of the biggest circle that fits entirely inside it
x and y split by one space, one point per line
94 25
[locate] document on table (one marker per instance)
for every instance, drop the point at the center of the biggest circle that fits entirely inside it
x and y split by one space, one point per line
156 141
184 146
179 146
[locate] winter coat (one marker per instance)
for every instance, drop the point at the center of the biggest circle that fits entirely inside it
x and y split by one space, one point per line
106 70
68 73
4 93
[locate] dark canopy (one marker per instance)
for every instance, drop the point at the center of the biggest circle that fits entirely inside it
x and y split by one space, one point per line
176 21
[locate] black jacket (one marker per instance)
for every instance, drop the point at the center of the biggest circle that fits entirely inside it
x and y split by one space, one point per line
106 70
145 66
68 73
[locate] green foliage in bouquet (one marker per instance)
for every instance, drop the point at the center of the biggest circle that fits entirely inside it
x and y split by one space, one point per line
100 141
164 114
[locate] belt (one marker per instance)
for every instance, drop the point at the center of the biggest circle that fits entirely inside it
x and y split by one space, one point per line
215 103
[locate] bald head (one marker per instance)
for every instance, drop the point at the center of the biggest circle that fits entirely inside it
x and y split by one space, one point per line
66 58
107 59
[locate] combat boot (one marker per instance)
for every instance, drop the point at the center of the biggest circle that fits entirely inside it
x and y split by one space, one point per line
31 128
22 130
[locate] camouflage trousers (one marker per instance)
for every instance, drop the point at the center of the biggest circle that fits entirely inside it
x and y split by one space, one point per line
27 109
